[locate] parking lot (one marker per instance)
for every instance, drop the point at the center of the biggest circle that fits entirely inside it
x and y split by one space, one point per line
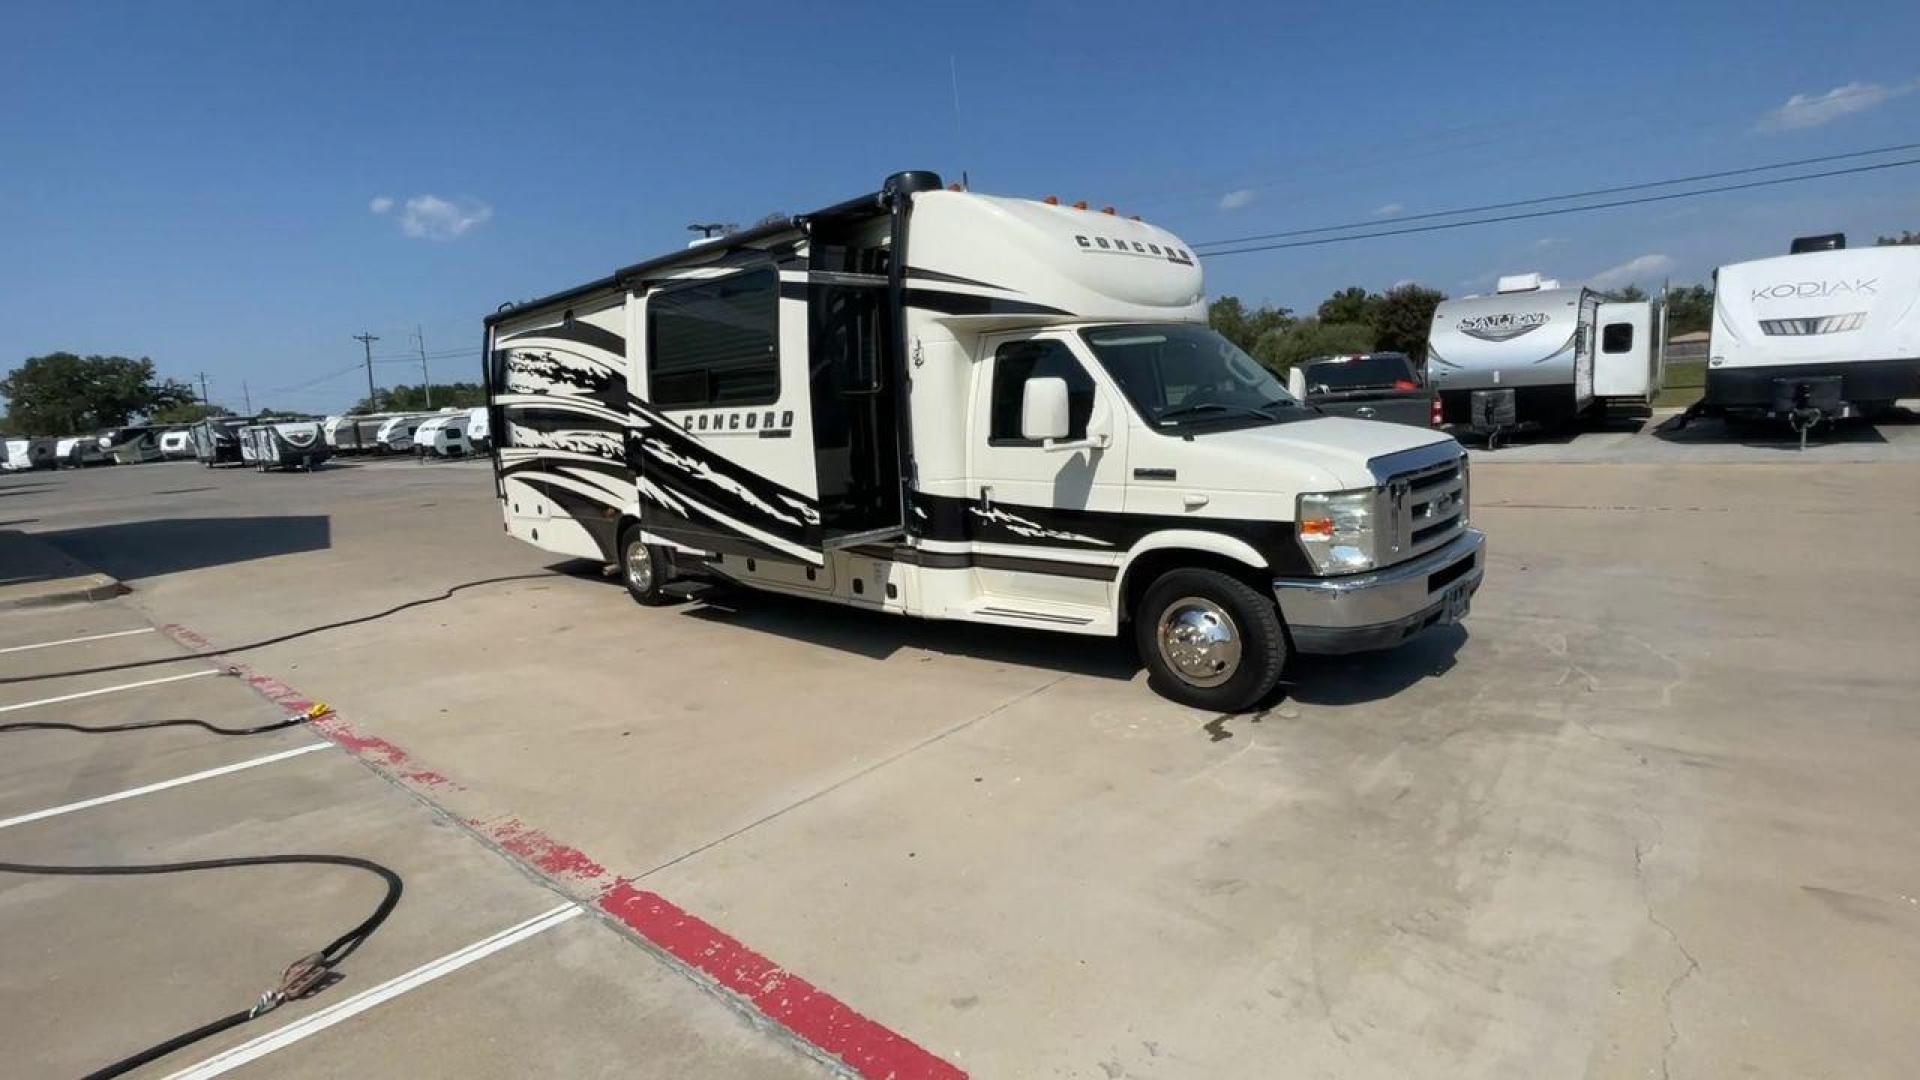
1648 812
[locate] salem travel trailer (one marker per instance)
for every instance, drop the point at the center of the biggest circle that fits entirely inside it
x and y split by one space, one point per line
443 436
1529 356
131 445
216 440
959 406
176 443
1825 333
287 444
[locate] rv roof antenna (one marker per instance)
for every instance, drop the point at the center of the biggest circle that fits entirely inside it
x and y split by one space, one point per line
959 133
710 229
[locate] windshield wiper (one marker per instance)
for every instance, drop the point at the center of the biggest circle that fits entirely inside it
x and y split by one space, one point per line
1210 406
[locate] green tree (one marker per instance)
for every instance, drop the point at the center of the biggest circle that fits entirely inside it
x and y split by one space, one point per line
185 413
414 399
1689 309
1905 237
1631 294
1352 304
1242 327
66 394
1402 318
1280 349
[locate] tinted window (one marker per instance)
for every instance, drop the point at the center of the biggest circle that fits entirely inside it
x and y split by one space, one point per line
1016 362
1617 337
715 343
1373 371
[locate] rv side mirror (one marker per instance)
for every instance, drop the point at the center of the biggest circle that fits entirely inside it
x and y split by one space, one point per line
1043 410
1297 383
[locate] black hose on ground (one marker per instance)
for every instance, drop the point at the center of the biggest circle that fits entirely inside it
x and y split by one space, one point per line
275 640
146 725
305 976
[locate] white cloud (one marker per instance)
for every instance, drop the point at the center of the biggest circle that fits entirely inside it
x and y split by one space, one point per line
1234 200
1392 209
1631 272
1549 241
1813 110
381 204
1402 283
430 217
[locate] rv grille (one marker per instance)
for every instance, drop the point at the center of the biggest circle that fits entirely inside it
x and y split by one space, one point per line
1824 324
1423 510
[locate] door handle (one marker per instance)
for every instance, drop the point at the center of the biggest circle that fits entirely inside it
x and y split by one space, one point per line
1193 500
986 496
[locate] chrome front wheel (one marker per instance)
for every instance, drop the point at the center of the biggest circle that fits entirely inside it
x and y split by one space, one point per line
1199 641
638 564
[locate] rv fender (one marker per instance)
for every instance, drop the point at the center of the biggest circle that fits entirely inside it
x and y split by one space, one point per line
1161 551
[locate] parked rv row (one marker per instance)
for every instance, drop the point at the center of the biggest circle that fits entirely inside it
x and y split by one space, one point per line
1819 334
114 446
450 433
263 442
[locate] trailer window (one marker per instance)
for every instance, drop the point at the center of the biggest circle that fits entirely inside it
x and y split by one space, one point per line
1016 362
1617 338
716 342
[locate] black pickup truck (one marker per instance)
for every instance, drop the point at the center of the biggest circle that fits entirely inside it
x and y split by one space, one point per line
1368 386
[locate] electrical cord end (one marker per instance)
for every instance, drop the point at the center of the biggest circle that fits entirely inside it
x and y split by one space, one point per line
302 977
317 710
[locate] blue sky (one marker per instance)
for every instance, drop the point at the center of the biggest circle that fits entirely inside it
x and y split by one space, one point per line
197 182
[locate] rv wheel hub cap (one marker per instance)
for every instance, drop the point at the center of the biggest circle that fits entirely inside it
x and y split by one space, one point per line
639 567
1199 641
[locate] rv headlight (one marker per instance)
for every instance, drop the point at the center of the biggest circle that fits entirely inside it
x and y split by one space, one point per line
1336 530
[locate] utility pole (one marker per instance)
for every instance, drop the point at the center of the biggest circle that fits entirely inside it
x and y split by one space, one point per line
248 395
203 389
368 340
426 380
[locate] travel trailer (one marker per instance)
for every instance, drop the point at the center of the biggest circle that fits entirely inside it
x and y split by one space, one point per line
28 453
395 434
216 440
79 451
355 434
479 431
176 443
286 444
1532 355
443 436
951 405
1821 334
131 445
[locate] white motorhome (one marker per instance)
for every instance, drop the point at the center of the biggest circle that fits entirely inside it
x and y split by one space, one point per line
939 403
443 436
1825 332
1535 354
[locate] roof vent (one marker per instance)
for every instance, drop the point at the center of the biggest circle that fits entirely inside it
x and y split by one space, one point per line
911 181
1827 242
1524 283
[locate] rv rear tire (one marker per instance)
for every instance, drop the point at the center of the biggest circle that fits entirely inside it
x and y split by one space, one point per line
1209 640
644 569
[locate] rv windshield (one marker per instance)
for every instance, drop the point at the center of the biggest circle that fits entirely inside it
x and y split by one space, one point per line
1179 374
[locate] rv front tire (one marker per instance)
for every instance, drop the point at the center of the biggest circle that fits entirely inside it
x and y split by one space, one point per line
1209 640
643 568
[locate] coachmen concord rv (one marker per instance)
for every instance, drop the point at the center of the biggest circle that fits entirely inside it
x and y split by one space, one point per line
1535 354
1824 333
939 403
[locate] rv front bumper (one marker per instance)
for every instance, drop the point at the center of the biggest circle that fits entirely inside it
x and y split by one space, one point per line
1379 610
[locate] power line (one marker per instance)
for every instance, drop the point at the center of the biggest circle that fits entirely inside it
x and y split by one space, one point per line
1562 210
1375 222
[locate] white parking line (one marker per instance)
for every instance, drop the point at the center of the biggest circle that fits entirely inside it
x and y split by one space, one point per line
76 640
190 778
367 999
111 689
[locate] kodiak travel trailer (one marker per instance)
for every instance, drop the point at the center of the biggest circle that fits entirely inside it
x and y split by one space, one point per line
285 444
1536 355
952 405
1824 333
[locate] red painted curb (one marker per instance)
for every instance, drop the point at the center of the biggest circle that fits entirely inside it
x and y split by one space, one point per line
868 1048
814 1016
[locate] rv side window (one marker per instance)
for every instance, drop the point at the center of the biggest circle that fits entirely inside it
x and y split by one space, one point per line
1617 337
715 343
1016 362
